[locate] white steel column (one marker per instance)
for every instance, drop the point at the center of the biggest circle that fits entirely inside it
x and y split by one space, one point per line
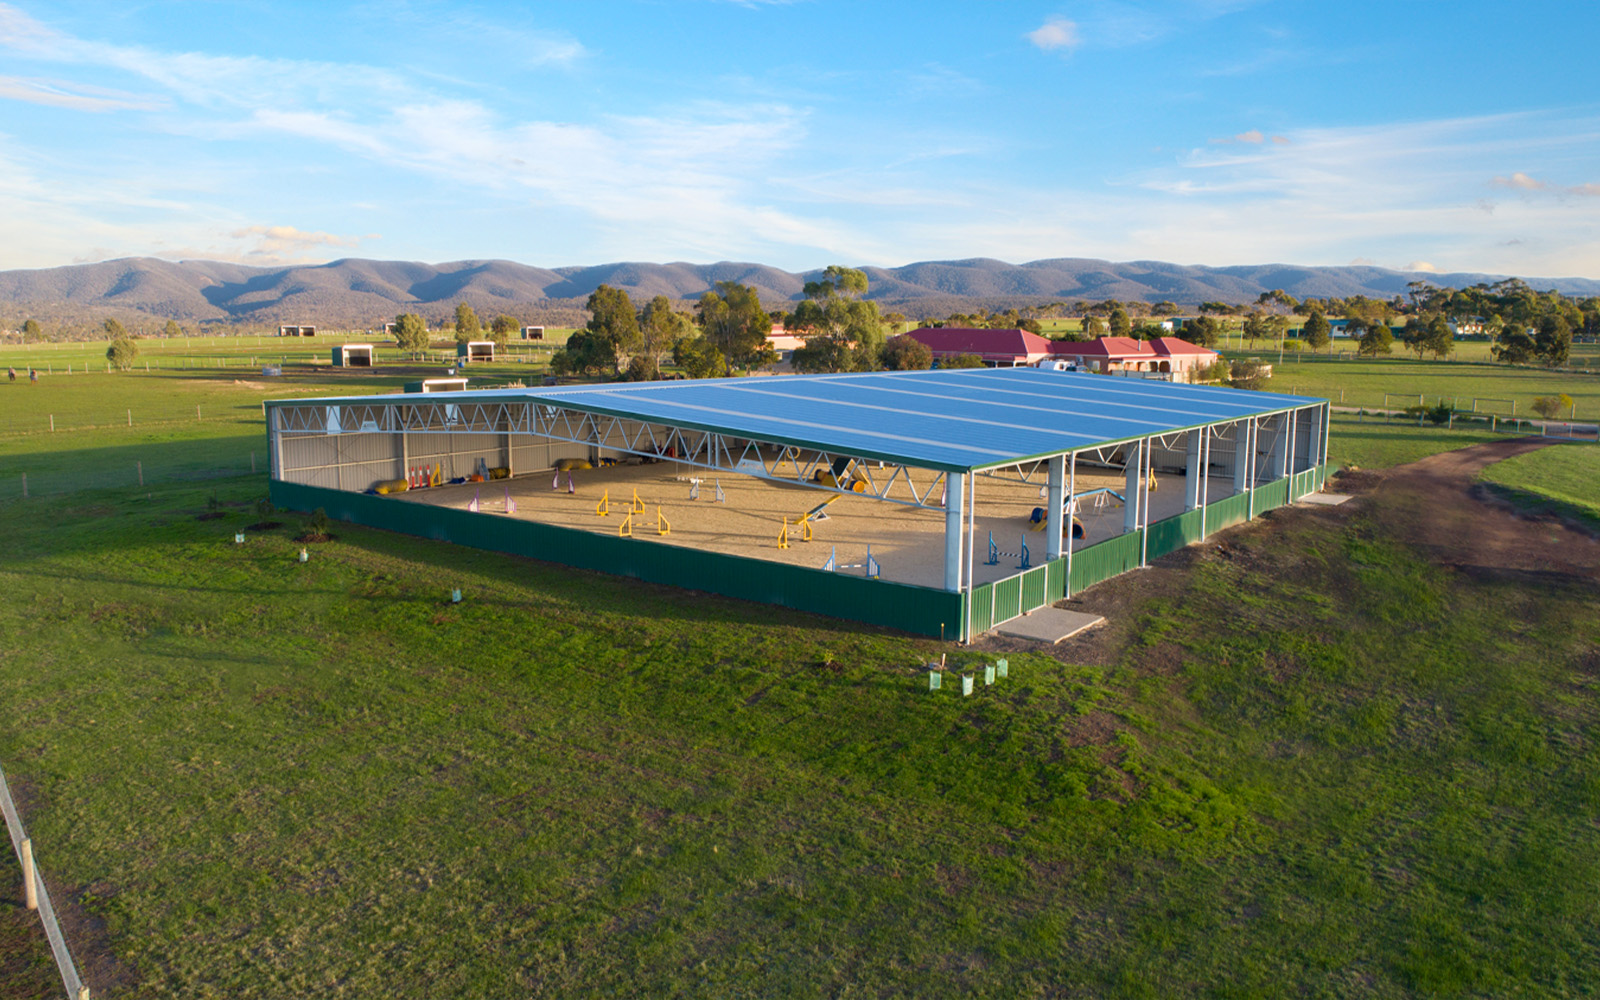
1243 452
1055 500
1144 502
1192 470
955 494
1205 478
1250 474
1132 495
1072 493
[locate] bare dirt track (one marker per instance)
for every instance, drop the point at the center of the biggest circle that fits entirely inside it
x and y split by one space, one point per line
1435 504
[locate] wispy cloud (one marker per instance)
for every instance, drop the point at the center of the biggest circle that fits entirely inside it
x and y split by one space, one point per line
1520 181
1254 137
74 96
1055 33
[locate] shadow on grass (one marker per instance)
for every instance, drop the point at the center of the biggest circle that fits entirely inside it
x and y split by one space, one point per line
113 524
1539 504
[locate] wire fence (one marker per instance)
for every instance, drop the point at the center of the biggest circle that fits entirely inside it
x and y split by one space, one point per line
48 478
21 844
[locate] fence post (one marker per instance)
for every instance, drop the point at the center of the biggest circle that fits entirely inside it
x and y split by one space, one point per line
252 463
140 467
30 889
130 418
24 486
52 423
197 413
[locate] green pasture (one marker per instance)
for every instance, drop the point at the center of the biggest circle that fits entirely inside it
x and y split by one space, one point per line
1371 443
1565 479
242 353
273 779
1364 383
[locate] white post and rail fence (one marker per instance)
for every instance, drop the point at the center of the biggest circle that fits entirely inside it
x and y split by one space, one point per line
37 898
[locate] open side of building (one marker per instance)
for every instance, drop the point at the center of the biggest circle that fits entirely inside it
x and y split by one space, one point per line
952 455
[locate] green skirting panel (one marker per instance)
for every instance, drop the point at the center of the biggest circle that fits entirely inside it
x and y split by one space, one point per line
1227 513
982 608
1172 534
1274 494
1105 560
895 605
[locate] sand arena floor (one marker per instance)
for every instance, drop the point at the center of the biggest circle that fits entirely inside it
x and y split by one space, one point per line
907 542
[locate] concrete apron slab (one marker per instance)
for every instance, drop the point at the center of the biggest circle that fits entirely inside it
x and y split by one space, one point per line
1325 499
1049 625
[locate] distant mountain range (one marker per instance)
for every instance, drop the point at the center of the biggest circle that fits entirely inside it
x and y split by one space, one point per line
354 293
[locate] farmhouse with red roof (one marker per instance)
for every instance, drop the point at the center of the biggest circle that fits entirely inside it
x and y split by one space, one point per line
1015 348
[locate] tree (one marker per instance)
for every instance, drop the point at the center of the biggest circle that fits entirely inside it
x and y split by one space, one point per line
906 354
1120 324
1094 326
1164 308
1553 339
1438 339
612 319
1247 374
1415 334
32 332
833 311
1146 330
1255 326
826 355
1317 333
410 332
1375 340
660 327
1549 407
1514 345
837 280
172 329
122 351
1204 331
699 358
586 353
501 329
734 321
114 330
467 326
961 361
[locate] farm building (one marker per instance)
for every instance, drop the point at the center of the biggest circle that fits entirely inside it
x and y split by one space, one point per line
1160 355
437 385
938 502
475 350
533 333
297 331
352 356
1014 348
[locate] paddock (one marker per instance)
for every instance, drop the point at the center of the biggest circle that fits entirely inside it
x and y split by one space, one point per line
923 467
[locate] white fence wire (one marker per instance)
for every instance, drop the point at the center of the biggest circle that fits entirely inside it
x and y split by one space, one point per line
47 913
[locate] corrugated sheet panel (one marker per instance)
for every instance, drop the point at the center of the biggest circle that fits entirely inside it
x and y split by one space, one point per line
1172 534
1227 513
1274 494
951 420
877 602
1103 561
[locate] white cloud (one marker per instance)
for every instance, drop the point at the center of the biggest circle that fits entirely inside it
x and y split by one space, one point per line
1055 33
1520 181
1421 265
73 96
278 241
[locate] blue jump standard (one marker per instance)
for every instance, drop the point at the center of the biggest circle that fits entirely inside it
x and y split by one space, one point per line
995 553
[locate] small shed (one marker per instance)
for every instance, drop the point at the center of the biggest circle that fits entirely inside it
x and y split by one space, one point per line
437 385
533 333
297 331
475 350
352 356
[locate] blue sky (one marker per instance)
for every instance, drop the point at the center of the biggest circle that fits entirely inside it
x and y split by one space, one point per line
1408 133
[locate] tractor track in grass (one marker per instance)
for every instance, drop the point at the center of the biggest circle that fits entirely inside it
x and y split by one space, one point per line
1435 504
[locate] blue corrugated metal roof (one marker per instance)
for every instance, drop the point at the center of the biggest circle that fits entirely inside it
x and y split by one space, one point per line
953 420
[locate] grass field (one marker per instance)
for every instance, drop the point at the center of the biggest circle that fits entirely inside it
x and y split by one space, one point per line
1374 444
1364 383
1321 766
1566 479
